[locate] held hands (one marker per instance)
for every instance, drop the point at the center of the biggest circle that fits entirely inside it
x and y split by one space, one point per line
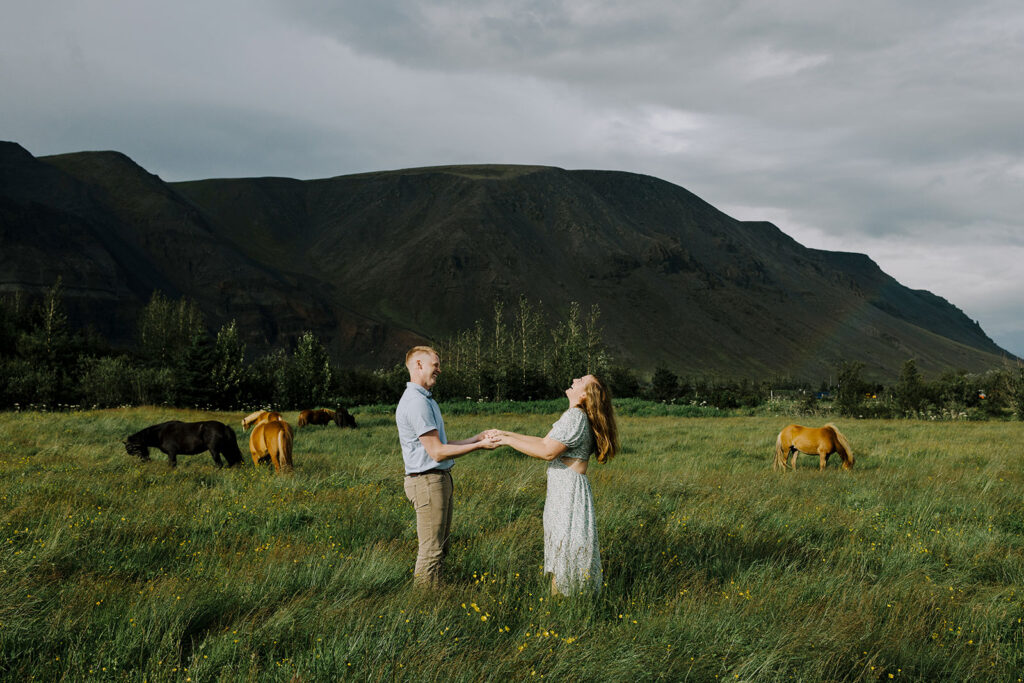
492 438
498 436
488 439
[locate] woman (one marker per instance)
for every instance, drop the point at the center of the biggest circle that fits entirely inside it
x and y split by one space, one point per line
571 553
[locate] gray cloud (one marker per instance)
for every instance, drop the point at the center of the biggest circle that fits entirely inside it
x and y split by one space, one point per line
890 129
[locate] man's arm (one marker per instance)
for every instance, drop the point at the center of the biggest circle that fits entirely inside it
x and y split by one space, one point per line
439 452
473 439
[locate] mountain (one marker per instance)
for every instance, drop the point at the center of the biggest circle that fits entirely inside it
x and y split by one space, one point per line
115 233
374 262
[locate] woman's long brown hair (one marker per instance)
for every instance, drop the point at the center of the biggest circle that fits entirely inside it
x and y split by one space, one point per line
597 404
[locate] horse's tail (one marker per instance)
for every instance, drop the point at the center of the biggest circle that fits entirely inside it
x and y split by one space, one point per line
284 449
842 447
780 453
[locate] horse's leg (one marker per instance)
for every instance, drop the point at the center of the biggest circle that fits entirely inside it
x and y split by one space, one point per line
822 459
216 457
172 458
793 453
255 452
256 445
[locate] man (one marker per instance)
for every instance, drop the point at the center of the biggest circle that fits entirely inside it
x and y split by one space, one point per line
428 460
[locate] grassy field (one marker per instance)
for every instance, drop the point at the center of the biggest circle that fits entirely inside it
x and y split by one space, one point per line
909 568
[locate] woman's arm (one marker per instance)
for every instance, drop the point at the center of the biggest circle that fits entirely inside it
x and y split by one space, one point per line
539 447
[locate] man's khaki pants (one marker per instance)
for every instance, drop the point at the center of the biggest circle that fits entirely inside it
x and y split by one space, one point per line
431 495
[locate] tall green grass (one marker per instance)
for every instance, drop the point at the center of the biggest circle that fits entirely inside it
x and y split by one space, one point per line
910 567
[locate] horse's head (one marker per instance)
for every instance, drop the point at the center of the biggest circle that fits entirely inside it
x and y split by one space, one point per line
136 448
251 418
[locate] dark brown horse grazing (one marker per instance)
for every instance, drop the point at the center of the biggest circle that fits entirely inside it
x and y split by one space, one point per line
343 418
824 441
323 416
186 438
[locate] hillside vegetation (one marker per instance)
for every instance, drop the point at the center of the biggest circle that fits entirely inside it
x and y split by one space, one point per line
909 568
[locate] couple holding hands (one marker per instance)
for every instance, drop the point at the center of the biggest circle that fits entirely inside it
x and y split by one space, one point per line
571 552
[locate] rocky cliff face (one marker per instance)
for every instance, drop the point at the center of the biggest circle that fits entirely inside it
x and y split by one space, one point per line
374 262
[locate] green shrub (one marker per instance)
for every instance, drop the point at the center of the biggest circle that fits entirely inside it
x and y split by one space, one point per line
851 389
108 382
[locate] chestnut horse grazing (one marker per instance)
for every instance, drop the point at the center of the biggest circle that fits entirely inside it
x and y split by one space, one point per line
271 438
824 441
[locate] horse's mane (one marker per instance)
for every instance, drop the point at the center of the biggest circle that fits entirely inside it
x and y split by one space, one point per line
250 418
257 417
842 441
139 442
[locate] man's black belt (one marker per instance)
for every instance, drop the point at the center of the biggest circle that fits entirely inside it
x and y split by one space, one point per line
419 474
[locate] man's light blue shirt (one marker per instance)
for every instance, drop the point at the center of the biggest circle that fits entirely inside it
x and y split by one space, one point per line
417 414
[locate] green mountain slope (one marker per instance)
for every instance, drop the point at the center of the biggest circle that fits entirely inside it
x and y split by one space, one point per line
376 261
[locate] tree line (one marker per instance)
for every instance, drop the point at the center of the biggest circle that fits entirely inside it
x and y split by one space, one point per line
951 395
516 355
955 394
176 360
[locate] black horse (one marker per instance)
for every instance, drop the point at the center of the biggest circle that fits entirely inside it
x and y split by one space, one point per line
343 418
186 438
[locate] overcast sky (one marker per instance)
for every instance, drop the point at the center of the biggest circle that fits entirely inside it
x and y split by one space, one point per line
891 129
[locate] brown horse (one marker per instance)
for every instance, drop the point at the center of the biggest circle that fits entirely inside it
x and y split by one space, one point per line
257 417
322 416
824 441
271 438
